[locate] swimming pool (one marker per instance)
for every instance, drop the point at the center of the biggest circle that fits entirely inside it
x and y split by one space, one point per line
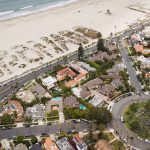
57 99
82 107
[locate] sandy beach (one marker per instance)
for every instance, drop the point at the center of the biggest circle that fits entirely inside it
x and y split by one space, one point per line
30 41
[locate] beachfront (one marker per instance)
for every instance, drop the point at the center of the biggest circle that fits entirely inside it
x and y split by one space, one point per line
30 41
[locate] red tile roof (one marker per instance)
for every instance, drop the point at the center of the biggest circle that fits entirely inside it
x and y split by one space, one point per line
50 145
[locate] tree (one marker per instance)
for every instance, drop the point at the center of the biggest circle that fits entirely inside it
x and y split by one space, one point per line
99 35
100 44
6 119
19 139
80 51
44 100
34 140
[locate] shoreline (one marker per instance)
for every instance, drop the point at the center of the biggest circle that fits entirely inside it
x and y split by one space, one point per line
37 11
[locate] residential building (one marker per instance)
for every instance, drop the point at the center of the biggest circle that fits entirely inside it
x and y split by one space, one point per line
117 82
38 90
49 82
66 72
93 84
147 74
55 104
103 145
49 144
145 62
21 147
36 146
86 66
26 96
78 68
11 107
71 101
63 144
35 112
140 48
107 90
79 143
112 46
98 101
81 92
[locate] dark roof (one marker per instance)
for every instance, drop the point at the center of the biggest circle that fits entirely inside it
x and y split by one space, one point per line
36 147
71 101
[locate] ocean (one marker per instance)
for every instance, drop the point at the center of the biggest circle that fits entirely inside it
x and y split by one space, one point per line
15 8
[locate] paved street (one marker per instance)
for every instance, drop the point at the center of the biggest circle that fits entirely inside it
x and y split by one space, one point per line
118 126
44 129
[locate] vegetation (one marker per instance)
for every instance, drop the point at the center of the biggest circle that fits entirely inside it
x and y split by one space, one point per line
34 140
137 118
118 145
80 52
7 119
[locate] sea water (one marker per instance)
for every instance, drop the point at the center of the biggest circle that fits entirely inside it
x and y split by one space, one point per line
14 8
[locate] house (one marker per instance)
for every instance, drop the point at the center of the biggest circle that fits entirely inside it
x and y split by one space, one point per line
26 96
79 143
103 145
98 101
36 147
49 144
71 101
140 48
112 47
55 104
38 90
92 84
66 72
117 82
35 112
49 82
147 74
75 81
145 62
107 90
21 147
136 38
81 92
78 68
63 144
11 107
85 66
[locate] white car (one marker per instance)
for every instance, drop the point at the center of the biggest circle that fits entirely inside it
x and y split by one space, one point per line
122 120
147 141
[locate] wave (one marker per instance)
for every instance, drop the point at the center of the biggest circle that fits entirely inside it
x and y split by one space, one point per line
6 12
26 7
34 9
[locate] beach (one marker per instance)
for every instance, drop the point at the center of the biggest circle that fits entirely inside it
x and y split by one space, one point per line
27 42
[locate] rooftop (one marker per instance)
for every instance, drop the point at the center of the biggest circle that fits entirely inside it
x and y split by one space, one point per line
71 101
50 145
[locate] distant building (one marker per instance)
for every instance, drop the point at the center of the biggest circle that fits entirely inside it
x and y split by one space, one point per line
71 101
63 144
35 112
49 82
21 147
26 96
79 143
49 144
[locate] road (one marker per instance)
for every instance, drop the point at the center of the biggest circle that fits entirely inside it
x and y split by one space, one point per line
118 126
43 129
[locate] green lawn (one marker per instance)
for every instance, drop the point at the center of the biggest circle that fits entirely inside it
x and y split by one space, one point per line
110 136
118 145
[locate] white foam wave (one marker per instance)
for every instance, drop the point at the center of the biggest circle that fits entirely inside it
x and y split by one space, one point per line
26 7
6 12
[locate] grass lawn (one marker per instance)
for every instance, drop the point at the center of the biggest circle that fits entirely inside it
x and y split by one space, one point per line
110 136
118 144
53 118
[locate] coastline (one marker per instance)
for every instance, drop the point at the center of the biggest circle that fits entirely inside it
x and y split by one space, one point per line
32 27
13 14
